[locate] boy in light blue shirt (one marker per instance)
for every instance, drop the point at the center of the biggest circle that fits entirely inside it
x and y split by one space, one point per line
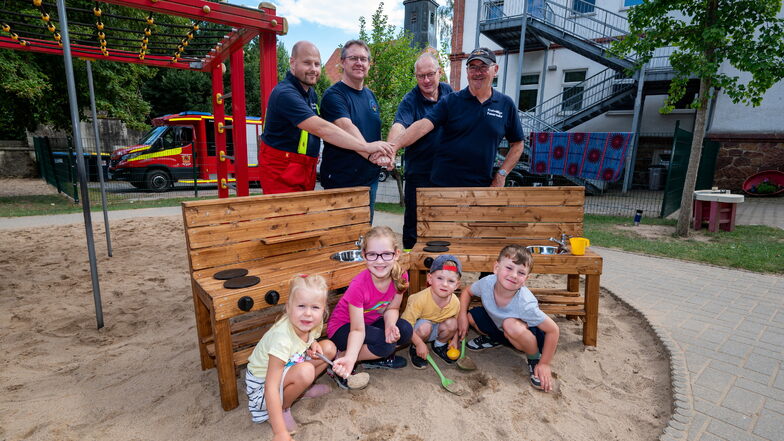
510 315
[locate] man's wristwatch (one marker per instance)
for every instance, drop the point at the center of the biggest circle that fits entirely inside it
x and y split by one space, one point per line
502 172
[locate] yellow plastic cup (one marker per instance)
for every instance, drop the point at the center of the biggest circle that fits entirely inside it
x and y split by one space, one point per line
579 244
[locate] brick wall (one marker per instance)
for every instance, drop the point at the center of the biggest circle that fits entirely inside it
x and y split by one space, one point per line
738 159
457 55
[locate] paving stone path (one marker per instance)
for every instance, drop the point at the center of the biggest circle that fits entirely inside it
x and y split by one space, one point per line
728 328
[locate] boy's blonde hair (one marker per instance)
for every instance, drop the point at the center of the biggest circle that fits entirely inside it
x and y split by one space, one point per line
517 254
314 283
382 231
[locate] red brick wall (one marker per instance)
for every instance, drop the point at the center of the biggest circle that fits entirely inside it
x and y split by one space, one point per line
457 55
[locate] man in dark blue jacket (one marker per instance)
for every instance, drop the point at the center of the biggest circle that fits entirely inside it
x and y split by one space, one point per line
418 157
474 121
292 128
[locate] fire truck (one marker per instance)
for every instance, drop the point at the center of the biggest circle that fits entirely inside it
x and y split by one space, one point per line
181 148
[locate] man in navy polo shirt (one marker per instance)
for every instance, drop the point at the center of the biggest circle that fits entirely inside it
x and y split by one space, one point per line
354 108
474 121
418 157
290 150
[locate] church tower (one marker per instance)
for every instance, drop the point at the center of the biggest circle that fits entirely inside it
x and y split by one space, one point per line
420 20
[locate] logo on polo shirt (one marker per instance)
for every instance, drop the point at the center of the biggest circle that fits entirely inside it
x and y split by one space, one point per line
373 106
495 112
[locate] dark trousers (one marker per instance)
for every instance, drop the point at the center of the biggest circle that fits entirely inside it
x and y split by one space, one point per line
375 338
412 182
486 325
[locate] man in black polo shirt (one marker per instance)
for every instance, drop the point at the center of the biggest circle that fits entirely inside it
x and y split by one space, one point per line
290 150
354 108
474 121
418 157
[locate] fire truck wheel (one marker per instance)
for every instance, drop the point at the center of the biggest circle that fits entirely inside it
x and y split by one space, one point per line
157 180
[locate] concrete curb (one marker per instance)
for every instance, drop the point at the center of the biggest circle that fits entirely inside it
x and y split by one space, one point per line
677 427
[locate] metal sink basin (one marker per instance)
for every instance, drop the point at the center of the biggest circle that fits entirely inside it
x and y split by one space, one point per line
542 249
348 256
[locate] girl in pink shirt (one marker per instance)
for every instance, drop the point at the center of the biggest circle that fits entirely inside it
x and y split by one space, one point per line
366 324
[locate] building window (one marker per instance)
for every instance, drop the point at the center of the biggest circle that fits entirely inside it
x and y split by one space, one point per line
413 17
572 93
583 6
630 3
529 92
495 9
432 18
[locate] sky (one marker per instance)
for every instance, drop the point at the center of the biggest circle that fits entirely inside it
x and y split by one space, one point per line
328 23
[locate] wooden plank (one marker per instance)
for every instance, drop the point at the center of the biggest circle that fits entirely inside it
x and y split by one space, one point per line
237 253
212 235
500 214
591 324
553 292
563 309
209 212
497 231
506 196
227 382
561 300
292 237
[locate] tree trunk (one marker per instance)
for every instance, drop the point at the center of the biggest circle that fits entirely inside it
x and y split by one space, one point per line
684 219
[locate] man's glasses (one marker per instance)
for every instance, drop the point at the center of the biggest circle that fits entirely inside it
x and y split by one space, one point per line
478 68
354 59
429 76
385 256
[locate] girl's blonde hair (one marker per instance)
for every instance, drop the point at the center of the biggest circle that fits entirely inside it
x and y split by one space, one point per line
315 284
401 284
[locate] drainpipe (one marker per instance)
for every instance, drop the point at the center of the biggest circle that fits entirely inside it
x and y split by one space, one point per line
521 56
636 123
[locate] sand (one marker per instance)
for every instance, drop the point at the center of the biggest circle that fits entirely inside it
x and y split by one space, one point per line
139 378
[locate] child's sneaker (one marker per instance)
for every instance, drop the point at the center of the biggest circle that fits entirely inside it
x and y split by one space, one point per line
535 381
482 342
441 352
391 362
341 382
416 361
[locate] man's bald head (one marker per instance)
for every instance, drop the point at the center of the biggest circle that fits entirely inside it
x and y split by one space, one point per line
305 63
303 45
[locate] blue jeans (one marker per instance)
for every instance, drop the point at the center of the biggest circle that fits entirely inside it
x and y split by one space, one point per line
413 181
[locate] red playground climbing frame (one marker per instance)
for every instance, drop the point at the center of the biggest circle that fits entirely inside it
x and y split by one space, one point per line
218 32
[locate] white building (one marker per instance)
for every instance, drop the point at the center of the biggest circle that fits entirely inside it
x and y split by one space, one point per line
568 82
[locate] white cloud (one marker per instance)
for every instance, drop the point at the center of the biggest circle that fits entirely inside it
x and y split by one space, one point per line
341 14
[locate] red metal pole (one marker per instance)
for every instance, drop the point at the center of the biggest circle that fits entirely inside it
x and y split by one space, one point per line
239 134
268 68
220 132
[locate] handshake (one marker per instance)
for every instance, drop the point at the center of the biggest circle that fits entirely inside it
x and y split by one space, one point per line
382 154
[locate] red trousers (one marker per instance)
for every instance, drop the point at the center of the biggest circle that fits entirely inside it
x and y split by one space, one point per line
286 172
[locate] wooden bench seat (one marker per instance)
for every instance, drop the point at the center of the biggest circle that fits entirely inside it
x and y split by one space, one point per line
274 237
479 222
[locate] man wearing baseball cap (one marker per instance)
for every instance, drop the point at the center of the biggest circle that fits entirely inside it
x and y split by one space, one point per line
474 122
433 312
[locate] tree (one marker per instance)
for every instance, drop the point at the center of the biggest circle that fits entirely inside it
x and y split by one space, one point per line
391 74
709 36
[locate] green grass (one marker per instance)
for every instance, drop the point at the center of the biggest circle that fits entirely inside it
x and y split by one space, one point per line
14 206
751 247
389 207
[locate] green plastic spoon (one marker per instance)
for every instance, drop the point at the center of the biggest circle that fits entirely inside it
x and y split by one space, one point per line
446 383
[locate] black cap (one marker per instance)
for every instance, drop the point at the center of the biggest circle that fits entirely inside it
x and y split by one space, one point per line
482 54
438 264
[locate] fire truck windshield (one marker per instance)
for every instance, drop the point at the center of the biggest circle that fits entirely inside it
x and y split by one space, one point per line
152 135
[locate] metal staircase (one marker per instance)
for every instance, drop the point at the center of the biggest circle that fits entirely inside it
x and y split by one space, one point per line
576 24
